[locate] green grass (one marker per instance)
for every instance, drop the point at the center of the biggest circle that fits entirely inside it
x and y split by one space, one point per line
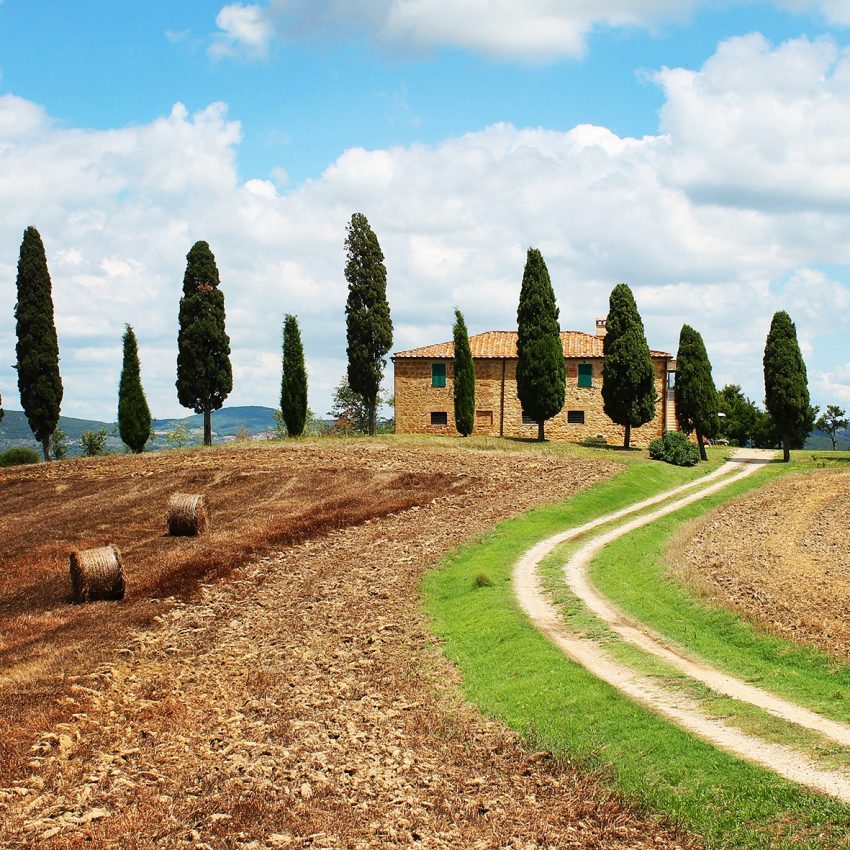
513 673
630 572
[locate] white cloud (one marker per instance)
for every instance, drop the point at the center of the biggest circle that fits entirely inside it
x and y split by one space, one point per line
244 30
119 209
539 30
534 31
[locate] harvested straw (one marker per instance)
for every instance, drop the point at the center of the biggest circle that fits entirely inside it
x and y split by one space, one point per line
97 574
187 514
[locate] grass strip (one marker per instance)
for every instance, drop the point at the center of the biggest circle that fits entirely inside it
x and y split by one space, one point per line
513 673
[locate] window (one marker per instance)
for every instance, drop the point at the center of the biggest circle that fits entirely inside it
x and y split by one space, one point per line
438 374
585 374
483 418
527 420
671 380
439 417
575 417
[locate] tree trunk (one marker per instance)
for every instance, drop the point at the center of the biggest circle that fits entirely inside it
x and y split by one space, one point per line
45 447
207 428
628 436
786 448
541 435
702 454
373 415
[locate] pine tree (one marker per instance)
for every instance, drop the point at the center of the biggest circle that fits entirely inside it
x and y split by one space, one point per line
541 370
134 415
628 381
696 395
464 378
204 377
293 387
786 390
369 329
37 350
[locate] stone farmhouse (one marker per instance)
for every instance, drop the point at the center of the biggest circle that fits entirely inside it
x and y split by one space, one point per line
424 392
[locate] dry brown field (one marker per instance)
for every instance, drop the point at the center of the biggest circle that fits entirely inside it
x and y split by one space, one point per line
272 683
780 555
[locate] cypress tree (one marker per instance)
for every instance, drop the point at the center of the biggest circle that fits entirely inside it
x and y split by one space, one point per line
2 414
786 390
369 329
464 378
134 415
628 381
541 370
293 386
204 377
696 395
37 350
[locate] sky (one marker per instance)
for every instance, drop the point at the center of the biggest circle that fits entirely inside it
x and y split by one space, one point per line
697 150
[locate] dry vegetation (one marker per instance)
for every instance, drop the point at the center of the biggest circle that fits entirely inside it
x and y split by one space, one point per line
780 555
299 702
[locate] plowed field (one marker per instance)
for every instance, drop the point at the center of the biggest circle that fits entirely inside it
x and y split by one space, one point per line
271 684
780 555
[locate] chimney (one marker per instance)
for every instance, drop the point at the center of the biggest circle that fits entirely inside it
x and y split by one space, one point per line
602 326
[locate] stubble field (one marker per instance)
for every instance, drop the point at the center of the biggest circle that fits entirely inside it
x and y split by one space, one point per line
273 683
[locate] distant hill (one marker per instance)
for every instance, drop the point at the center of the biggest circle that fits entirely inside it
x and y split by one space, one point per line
15 430
819 441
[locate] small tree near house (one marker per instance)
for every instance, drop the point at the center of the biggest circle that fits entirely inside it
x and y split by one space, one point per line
628 382
464 378
696 396
541 370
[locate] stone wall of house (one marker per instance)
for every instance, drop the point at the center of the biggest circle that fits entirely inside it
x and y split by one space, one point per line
418 403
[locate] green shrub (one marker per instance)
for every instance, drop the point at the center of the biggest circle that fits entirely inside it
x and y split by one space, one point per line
674 447
93 442
18 456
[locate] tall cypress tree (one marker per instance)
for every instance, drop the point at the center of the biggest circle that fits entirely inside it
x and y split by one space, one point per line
134 415
293 386
37 350
2 414
464 378
204 377
786 390
541 370
696 395
628 381
369 329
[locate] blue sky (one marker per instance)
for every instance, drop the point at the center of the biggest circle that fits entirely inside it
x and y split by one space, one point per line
695 150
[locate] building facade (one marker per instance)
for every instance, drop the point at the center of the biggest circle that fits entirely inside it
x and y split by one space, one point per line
424 391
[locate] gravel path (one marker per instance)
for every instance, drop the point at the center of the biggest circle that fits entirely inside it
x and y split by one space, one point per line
785 761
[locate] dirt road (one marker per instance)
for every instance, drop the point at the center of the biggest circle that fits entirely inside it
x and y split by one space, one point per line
790 763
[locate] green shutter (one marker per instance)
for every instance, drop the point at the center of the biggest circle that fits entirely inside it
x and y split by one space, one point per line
585 374
438 374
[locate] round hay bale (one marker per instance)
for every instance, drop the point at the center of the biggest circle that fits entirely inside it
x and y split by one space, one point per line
187 514
97 574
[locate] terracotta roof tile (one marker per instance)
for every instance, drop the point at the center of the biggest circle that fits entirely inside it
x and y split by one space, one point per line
498 344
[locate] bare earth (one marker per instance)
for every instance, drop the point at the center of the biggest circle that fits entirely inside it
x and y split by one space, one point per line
757 554
300 702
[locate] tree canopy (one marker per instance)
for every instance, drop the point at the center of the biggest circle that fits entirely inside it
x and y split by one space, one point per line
831 421
464 378
134 415
293 389
628 381
786 389
37 349
541 370
369 328
204 376
696 395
